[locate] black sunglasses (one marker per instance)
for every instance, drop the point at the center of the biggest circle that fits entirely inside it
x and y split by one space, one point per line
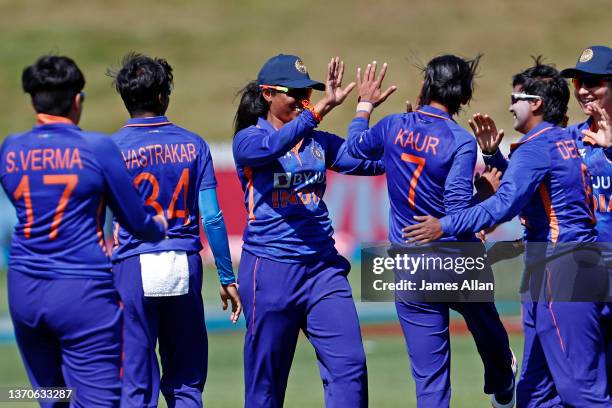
590 81
296 93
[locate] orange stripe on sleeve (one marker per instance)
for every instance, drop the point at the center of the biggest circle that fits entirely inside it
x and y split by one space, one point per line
248 172
550 212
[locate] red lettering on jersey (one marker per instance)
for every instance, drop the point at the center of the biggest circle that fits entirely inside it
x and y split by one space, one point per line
567 149
47 159
36 159
168 155
63 158
10 162
192 150
158 154
432 143
602 203
184 153
416 143
134 161
400 138
142 157
175 155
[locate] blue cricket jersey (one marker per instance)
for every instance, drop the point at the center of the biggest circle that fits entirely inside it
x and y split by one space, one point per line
60 179
282 174
169 166
545 182
429 161
599 163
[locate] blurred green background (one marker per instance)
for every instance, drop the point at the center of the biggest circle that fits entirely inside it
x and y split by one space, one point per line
216 46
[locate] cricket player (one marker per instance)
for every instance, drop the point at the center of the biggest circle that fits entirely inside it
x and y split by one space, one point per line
592 82
65 309
429 162
291 276
160 283
546 182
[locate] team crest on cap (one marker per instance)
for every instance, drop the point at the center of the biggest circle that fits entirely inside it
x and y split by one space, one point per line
299 65
586 55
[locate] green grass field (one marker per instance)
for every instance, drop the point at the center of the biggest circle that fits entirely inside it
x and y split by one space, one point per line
390 381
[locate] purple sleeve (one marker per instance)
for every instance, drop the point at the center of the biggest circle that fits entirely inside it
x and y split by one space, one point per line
496 160
254 146
529 165
364 143
338 159
458 185
122 197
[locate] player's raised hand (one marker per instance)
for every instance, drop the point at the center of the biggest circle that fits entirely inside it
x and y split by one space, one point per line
334 93
369 85
427 230
230 292
603 136
486 133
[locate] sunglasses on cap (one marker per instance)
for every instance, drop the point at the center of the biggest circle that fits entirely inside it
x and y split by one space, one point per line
295 93
589 81
515 97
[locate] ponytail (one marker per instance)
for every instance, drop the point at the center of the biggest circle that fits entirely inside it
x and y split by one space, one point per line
252 106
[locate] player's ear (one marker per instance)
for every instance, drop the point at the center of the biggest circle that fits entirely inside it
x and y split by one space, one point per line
268 94
537 106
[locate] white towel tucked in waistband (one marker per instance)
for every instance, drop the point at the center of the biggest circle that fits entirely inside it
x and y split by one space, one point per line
164 273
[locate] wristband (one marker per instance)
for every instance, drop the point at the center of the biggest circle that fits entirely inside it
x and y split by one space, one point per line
308 106
364 106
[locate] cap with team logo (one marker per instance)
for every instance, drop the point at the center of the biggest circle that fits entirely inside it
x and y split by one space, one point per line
595 60
288 71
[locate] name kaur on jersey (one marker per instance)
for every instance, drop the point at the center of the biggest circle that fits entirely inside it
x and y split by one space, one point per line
159 154
43 159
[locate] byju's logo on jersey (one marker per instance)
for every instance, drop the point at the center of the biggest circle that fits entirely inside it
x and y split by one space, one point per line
287 180
282 180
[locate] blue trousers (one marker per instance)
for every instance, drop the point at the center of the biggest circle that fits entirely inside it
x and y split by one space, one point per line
279 300
564 360
69 334
178 323
425 327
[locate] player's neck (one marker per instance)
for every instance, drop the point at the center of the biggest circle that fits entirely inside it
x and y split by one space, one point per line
144 114
438 105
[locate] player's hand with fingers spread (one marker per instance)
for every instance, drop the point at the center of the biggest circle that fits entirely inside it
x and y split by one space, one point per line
487 183
369 86
486 133
428 229
603 136
334 93
230 292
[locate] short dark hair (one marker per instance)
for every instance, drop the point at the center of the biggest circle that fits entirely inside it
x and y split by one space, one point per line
53 82
546 82
449 80
140 82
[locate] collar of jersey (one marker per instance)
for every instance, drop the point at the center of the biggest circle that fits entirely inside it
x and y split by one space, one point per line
263 123
533 133
152 121
45 119
435 112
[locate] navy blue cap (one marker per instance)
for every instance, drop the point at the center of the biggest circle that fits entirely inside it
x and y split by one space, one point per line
289 71
595 60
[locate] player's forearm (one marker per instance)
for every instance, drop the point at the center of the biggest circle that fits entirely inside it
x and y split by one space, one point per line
256 147
359 143
216 234
496 160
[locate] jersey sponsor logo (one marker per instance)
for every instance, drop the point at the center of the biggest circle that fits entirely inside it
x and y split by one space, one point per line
288 180
417 142
43 159
601 182
159 154
284 198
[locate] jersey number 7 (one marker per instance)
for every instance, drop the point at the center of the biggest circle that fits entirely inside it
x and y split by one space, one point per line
420 162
